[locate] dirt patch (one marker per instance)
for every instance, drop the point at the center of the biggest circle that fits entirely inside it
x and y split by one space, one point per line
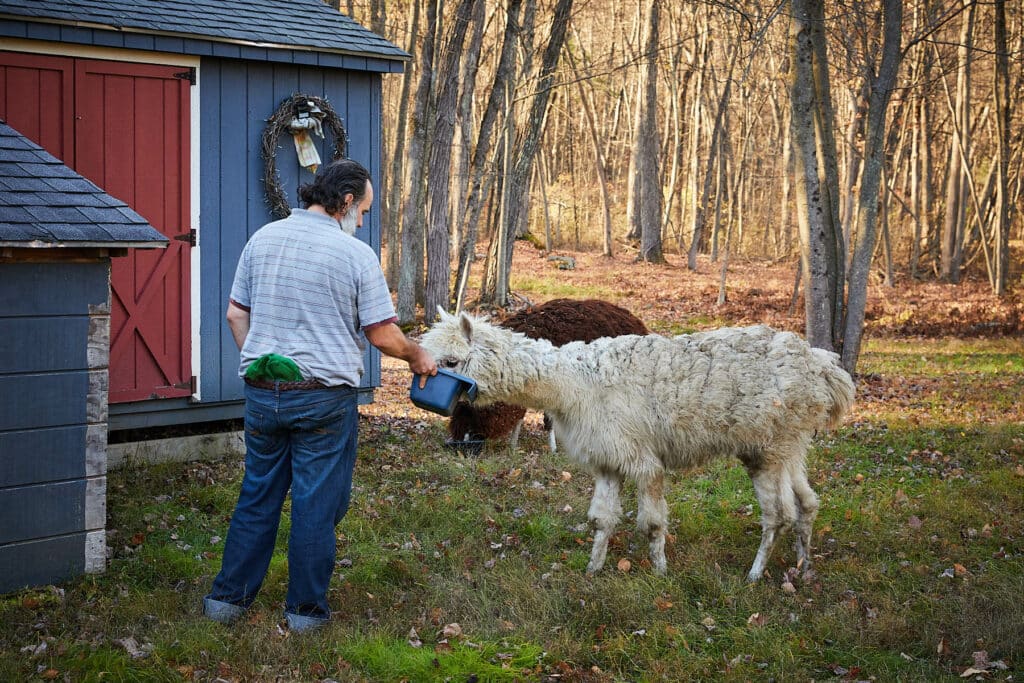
761 291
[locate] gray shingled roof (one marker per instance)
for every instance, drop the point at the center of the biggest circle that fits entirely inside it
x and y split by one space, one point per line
308 24
43 203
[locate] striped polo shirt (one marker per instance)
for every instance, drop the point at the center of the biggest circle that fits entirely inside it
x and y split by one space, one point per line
310 290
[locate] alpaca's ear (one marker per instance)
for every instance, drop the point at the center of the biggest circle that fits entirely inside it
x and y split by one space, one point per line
443 315
466 323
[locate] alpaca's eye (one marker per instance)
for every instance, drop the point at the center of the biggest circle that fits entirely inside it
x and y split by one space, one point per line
449 363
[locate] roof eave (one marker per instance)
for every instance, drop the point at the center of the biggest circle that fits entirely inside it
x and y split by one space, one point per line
84 244
404 57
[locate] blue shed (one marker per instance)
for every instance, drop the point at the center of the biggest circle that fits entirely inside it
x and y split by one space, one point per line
58 234
168 104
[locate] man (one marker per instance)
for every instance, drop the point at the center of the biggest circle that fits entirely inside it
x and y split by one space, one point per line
308 291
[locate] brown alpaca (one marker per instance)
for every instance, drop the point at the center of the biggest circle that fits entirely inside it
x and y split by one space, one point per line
559 321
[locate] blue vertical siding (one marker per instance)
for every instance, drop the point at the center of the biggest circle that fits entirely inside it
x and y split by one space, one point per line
49 376
236 98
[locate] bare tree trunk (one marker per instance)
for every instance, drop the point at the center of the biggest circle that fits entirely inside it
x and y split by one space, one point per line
470 66
438 291
926 243
517 185
882 85
393 211
501 235
633 177
599 162
410 281
927 194
720 191
697 237
495 104
678 85
1002 112
542 178
818 231
854 161
915 179
835 274
786 198
954 224
377 12
884 211
648 147
696 129
634 193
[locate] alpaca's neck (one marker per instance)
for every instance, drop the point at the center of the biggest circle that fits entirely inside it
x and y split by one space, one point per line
534 376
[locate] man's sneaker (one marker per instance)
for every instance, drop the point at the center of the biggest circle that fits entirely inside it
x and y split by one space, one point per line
224 612
298 623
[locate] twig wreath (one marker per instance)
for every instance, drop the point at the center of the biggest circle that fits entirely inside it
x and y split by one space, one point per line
280 123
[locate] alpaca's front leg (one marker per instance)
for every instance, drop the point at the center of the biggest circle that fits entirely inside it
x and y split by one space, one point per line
652 518
605 511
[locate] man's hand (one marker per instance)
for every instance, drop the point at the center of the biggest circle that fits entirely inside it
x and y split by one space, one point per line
423 365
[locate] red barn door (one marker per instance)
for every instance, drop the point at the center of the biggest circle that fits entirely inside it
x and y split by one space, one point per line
132 139
37 99
124 126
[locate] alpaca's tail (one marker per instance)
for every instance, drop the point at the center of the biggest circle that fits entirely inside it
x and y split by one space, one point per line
840 386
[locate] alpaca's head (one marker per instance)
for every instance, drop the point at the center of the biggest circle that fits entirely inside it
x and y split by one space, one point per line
473 347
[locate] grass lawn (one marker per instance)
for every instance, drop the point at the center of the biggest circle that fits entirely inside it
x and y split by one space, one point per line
454 568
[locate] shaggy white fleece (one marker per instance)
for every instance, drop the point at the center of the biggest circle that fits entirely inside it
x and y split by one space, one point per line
634 406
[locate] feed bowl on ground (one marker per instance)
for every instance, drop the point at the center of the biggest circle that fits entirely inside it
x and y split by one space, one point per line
466 446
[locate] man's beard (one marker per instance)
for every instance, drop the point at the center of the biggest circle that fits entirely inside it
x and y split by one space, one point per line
350 221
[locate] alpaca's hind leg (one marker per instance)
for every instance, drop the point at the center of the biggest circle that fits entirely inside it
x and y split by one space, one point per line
550 426
774 491
806 512
652 518
605 511
513 439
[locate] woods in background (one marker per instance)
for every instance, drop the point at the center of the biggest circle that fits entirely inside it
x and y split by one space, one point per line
865 137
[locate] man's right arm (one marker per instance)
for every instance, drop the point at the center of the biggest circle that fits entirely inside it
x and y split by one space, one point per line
390 339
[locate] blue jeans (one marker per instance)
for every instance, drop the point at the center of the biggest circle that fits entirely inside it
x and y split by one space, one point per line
305 440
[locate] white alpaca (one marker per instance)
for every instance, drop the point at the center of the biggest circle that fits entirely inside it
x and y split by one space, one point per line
634 406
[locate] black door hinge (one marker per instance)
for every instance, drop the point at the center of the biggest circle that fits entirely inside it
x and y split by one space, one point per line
190 385
189 75
189 237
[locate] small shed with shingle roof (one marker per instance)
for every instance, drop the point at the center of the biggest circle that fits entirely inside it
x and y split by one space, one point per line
58 233
165 104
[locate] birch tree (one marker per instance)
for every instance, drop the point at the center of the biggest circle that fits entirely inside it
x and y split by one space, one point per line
813 143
